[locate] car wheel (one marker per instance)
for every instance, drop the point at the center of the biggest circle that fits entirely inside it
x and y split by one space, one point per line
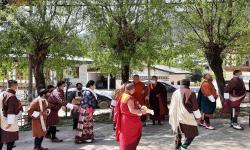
103 104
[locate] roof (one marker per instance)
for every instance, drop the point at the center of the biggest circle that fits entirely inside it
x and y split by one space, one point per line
171 69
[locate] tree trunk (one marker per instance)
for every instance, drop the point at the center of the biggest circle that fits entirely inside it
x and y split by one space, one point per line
215 62
38 59
125 72
30 87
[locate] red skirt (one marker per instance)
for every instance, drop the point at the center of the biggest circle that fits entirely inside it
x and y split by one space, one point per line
85 126
130 132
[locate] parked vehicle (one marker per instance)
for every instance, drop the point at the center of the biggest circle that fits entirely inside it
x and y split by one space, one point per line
169 88
103 101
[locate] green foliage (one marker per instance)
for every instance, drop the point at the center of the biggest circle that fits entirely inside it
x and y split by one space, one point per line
219 23
46 28
134 32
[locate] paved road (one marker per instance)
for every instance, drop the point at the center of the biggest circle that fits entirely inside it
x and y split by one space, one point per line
154 138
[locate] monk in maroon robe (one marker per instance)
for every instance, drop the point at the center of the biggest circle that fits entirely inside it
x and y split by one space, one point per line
140 94
158 100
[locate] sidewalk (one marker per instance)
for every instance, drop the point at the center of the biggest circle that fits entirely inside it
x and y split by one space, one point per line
154 138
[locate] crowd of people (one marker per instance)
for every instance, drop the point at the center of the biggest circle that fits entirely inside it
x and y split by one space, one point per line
44 113
132 103
187 111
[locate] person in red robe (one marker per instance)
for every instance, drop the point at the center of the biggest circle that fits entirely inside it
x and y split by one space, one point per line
140 94
128 122
235 93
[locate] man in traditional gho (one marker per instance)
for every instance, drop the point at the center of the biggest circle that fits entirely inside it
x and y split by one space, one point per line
235 92
10 108
56 101
184 114
207 101
78 96
140 94
39 111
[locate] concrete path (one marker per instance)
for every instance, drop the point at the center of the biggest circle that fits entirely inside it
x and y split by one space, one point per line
154 138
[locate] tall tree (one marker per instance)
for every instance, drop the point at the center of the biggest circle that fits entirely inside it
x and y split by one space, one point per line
214 26
121 29
46 30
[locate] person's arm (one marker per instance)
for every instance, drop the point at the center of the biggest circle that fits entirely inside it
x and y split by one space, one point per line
206 90
88 99
61 100
195 106
13 110
230 87
132 109
33 111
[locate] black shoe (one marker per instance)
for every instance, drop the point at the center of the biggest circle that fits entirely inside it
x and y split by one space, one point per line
56 140
159 123
48 136
153 122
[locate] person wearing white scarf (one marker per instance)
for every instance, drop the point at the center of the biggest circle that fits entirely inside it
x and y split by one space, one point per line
184 115
39 111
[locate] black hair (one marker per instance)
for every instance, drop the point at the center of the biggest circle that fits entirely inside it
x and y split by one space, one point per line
50 86
78 84
90 83
43 92
60 83
11 83
236 71
129 86
155 77
204 76
136 75
185 82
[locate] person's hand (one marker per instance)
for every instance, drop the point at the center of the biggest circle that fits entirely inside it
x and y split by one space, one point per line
90 115
75 108
147 98
198 120
8 126
144 112
144 108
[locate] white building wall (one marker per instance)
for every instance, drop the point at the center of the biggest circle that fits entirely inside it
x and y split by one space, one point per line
82 75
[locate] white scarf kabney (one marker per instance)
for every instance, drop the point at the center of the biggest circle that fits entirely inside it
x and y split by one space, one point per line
3 120
178 113
40 101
